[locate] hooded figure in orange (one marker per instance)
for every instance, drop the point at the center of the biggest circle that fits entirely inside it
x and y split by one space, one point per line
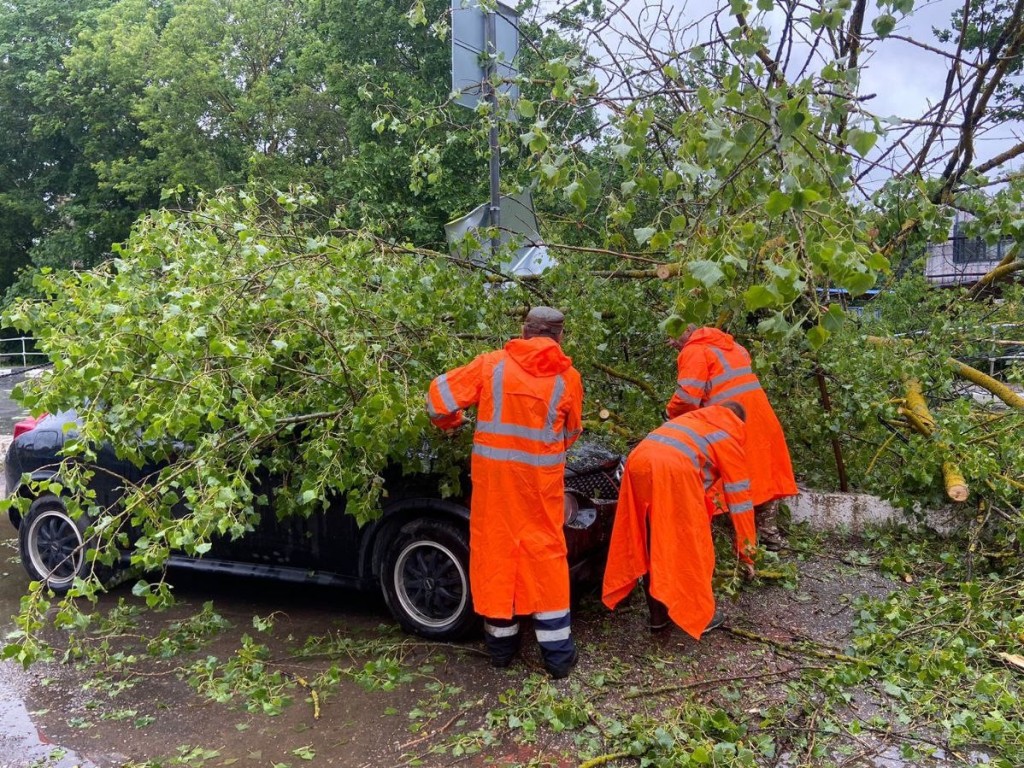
662 530
529 403
712 368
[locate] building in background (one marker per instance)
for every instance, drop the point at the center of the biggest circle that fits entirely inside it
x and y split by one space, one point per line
963 259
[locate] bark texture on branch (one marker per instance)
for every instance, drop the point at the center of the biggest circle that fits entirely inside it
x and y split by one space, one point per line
956 484
986 382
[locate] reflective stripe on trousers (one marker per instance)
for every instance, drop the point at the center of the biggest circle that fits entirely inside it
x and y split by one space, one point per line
554 635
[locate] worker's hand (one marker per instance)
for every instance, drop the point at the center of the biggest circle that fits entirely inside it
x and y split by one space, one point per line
748 571
452 431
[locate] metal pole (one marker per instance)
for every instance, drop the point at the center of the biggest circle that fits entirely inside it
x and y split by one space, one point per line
24 359
491 35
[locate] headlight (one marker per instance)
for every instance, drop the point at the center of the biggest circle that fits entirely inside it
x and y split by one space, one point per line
571 508
620 470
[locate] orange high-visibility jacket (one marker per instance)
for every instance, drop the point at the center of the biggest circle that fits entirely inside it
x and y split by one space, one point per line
661 523
529 402
713 368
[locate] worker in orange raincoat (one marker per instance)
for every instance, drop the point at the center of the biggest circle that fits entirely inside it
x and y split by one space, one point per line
713 367
662 531
529 402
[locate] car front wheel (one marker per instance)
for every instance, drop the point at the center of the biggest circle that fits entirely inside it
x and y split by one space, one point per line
425 580
52 545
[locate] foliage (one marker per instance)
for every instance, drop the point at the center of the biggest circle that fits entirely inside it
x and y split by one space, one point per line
272 345
105 103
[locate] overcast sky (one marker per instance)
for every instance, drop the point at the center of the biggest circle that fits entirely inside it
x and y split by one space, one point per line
905 79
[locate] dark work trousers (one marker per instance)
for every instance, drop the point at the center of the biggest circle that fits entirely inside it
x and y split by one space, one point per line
553 632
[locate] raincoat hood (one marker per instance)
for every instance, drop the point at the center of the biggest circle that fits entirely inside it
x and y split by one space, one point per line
712 337
539 356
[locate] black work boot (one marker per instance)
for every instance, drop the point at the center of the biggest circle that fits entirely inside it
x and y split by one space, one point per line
716 621
561 671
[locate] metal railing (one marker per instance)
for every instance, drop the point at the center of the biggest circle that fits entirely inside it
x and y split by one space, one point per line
20 352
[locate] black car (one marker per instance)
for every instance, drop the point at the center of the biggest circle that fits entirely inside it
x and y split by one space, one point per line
416 553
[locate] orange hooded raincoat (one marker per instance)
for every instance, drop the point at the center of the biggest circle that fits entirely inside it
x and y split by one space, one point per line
712 368
529 402
661 523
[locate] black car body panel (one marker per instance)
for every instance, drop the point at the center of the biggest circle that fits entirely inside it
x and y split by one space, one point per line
328 547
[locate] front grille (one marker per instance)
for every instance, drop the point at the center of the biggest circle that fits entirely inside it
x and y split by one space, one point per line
598 485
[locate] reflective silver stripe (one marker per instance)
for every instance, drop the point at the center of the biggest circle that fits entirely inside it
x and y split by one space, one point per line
494 631
679 445
552 635
495 426
742 485
507 454
431 412
737 509
720 397
697 383
686 397
497 392
556 395
549 615
721 358
446 393
733 373
703 441
709 478
529 433
574 434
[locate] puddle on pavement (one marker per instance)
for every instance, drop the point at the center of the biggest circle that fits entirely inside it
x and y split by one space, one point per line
21 742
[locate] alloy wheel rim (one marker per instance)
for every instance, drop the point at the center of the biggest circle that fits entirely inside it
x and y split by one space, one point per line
430 583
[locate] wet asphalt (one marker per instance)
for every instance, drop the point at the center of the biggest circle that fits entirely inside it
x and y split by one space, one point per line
21 742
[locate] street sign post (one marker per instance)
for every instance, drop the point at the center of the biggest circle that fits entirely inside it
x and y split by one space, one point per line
484 48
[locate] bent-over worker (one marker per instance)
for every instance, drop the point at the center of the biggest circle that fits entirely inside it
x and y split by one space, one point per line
662 529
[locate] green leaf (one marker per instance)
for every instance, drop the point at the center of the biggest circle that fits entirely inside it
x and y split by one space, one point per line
525 108
707 272
760 296
817 336
672 326
857 282
643 234
776 325
884 25
778 202
861 141
878 262
833 319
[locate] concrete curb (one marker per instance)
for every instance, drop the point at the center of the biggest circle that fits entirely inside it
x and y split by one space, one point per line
829 511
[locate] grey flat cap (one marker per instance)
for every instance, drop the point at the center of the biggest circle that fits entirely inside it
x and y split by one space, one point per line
544 320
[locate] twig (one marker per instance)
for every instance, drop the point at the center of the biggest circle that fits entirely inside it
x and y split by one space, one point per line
604 759
435 732
833 655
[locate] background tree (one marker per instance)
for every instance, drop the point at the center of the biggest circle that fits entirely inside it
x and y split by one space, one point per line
50 203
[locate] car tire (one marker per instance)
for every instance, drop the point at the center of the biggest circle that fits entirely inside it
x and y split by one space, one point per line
425 580
53 545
